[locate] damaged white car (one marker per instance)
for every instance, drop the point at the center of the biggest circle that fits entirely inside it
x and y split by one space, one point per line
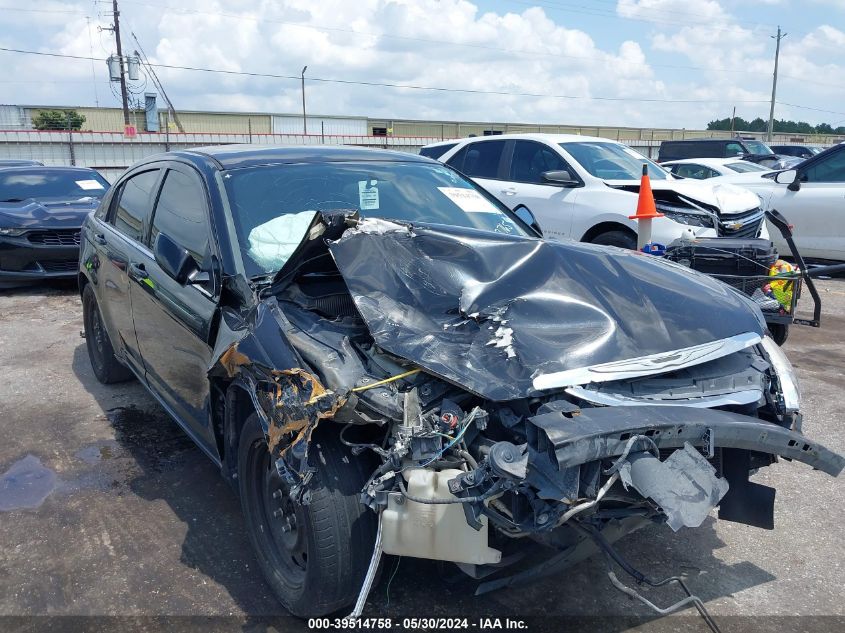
381 358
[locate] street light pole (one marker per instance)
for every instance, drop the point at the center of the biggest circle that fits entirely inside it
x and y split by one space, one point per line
304 120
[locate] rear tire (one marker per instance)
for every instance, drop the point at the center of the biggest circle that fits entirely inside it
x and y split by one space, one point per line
314 557
616 238
107 368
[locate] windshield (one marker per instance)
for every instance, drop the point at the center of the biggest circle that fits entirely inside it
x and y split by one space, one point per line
612 161
745 166
272 206
756 147
19 184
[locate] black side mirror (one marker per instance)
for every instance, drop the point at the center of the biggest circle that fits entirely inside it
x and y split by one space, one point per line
560 177
524 214
174 260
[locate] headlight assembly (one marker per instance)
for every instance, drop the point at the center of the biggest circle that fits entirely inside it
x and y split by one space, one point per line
690 217
786 376
12 232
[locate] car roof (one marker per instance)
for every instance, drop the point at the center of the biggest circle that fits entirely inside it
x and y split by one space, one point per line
239 156
535 136
708 162
708 140
43 168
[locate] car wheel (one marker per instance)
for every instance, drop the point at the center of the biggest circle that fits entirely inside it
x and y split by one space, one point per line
107 368
779 332
313 556
616 238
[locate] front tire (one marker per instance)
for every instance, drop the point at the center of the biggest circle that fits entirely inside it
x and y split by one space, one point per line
779 332
314 557
621 239
107 368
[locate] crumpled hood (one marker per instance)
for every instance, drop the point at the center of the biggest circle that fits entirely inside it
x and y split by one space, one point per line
491 312
726 197
55 214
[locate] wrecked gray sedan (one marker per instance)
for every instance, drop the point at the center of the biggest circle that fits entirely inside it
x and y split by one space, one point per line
383 359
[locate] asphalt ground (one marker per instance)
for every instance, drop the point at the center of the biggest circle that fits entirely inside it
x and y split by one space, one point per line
110 518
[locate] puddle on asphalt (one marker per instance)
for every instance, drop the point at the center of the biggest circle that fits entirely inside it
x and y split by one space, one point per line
26 484
96 453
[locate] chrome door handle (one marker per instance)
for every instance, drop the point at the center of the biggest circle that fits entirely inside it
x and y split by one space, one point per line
137 272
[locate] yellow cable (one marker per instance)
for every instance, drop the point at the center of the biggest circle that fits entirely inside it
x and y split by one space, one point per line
387 380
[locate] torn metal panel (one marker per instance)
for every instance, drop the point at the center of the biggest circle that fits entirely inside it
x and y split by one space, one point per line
684 486
603 432
290 402
491 312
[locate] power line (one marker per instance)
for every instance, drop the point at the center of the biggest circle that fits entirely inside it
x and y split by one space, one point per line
518 51
399 86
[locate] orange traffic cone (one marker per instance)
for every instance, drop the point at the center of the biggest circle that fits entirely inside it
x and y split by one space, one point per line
646 211
645 205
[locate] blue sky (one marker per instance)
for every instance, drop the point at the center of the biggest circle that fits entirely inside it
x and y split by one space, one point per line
611 62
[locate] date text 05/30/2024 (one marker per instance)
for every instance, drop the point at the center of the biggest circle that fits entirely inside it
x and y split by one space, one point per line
428 624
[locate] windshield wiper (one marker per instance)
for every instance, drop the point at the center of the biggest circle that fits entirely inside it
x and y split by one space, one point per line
14 200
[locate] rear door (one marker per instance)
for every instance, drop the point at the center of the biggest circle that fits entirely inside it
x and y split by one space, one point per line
173 321
118 241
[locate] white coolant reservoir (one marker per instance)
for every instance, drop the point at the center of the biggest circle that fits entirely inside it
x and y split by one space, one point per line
438 532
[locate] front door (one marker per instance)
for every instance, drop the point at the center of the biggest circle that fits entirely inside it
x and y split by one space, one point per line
552 205
817 210
173 321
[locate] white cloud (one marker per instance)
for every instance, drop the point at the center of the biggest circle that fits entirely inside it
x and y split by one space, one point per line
446 43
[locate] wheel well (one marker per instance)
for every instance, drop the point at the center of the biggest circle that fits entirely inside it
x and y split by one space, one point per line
606 227
81 281
231 406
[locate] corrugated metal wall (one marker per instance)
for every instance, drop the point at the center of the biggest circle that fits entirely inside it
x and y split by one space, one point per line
292 124
111 120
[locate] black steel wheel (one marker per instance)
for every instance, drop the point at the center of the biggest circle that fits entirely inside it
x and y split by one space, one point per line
313 556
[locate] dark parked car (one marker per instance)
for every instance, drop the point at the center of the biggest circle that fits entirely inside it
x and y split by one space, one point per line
41 212
20 162
801 151
382 358
746 149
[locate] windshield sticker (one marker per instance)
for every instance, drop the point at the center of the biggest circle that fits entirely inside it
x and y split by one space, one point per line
368 194
89 185
468 199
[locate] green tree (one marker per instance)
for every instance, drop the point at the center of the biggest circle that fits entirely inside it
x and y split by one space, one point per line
58 120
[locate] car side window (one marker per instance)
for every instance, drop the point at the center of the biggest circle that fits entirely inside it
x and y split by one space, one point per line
181 214
829 169
693 170
134 204
733 149
531 159
479 160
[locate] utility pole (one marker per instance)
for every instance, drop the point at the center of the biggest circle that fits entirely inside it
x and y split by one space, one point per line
777 38
304 120
733 118
116 29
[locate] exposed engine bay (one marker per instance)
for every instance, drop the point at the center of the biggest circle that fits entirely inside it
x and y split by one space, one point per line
536 393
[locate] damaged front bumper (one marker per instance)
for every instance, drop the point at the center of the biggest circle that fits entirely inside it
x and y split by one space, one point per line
734 443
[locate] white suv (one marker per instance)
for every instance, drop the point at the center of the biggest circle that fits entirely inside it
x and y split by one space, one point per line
585 188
